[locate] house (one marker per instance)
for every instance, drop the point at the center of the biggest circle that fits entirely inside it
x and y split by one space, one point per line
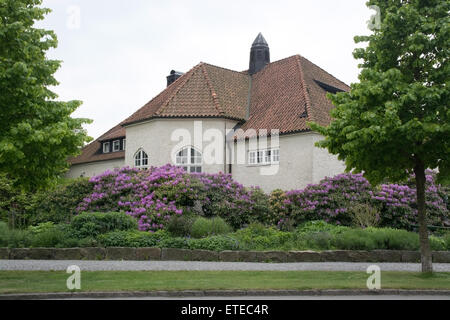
250 124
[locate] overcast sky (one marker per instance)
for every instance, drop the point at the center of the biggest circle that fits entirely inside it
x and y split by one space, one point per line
117 53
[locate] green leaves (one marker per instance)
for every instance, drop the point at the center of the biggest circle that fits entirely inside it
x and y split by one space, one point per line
399 110
37 134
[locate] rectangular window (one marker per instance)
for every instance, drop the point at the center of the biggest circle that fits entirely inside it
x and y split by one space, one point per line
267 156
260 157
124 143
264 157
105 147
252 157
116 145
276 155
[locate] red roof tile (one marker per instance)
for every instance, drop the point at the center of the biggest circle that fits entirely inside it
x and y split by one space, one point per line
92 152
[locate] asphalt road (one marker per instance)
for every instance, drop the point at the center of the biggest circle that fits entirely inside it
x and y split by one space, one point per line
47 265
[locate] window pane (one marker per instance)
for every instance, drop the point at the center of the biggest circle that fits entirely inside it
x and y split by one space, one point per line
267 158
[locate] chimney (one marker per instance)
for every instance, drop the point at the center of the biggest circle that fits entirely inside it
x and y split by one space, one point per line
259 55
174 75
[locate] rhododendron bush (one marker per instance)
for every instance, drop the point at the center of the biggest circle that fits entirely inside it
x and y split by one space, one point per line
331 199
156 195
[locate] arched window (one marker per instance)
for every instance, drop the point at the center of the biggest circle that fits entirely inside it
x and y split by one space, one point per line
141 159
189 159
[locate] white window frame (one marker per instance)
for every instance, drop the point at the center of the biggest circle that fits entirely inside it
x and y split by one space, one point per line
141 159
106 147
124 144
114 145
189 159
264 157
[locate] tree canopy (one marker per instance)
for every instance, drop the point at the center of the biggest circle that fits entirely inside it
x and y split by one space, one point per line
37 133
396 120
398 112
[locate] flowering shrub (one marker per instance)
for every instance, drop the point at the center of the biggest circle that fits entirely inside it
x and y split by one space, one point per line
156 195
329 200
399 208
222 196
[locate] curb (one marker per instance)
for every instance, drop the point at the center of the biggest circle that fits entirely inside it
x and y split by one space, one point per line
222 293
171 254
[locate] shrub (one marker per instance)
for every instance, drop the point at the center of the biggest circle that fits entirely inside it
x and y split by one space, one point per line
214 243
320 226
15 238
180 226
221 196
329 200
372 238
92 224
134 239
203 227
58 204
364 215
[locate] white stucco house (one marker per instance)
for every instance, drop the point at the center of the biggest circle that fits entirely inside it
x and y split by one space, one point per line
253 124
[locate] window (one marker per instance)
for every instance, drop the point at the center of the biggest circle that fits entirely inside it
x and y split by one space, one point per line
116 145
105 147
141 159
189 159
268 156
124 143
276 155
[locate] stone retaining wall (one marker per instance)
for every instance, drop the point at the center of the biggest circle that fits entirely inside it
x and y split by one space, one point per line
150 254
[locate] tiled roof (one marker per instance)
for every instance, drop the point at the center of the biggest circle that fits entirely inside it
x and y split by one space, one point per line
91 152
284 95
204 91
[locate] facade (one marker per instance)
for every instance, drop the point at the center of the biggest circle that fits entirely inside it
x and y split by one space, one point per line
250 124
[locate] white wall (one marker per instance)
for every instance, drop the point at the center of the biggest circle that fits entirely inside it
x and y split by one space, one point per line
324 163
94 168
154 137
301 163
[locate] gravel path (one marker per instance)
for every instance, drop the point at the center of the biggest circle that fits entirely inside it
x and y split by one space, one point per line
45 265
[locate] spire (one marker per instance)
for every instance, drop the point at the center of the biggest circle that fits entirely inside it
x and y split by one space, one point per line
259 55
260 41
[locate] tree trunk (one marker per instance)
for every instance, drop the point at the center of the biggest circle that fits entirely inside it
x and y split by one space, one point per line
425 251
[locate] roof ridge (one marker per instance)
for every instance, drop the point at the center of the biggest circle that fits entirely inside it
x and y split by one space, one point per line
211 88
305 90
227 69
181 85
324 70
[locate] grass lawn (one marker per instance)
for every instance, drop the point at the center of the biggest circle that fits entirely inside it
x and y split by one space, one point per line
55 281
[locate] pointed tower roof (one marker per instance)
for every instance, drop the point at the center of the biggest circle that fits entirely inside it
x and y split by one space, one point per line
260 41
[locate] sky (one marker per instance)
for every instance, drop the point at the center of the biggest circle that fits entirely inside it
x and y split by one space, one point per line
116 54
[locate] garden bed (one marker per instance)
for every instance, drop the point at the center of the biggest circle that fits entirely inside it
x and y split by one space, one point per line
173 254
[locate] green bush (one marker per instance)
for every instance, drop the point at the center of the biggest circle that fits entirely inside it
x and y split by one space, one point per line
364 215
320 226
203 227
57 204
372 238
133 239
180 226
14 238
89 224
176 243
214 243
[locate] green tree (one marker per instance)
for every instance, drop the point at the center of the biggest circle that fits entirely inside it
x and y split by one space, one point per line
395 121
37 133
